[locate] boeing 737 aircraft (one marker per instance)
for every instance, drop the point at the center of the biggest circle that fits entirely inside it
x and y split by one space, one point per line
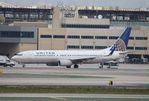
74 57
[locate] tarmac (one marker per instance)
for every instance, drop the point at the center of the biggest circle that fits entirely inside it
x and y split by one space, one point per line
124 75
131 75
71 97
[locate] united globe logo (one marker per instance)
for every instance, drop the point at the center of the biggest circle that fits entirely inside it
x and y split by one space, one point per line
120 45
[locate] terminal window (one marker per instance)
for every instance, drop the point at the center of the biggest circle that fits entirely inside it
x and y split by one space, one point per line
87 47
84 26
45 36
100 37
140 48
16 34
73 36
10 34
73 47
58 36
130 48
113 37
141 38
25 34
87 37
131 38
100 47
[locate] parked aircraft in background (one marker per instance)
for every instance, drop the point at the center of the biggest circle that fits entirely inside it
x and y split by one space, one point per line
74 57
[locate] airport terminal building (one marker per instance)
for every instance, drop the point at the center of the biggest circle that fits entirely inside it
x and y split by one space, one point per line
92 28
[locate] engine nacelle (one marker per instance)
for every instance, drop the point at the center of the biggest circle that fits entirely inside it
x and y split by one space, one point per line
65 62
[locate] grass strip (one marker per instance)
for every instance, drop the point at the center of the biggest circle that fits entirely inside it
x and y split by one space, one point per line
72 89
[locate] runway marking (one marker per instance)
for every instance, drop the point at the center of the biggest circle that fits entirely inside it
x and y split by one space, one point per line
26 75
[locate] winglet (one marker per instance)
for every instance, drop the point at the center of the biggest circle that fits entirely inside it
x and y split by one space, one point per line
112 51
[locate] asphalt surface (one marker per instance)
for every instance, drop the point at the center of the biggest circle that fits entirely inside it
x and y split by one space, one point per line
128 75
71 97
86 75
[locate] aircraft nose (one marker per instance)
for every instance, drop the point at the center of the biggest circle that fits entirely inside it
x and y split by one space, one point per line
14 58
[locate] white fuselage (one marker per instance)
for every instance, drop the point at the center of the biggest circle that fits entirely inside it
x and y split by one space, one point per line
54 56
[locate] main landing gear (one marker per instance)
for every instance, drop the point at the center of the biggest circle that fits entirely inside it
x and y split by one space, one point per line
109 66
23 65
75 66
102 64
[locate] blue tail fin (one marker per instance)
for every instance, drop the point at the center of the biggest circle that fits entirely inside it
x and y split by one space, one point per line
122 41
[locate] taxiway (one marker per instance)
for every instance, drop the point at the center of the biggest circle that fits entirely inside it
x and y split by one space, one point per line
86 75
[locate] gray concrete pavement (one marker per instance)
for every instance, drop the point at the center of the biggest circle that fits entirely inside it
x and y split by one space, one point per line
125 75
86 75
71 97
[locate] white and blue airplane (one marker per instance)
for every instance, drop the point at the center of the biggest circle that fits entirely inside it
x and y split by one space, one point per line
74 57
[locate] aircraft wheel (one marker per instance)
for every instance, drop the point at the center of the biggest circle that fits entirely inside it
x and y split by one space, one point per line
101 65
68 66
109 66
23 65
76 66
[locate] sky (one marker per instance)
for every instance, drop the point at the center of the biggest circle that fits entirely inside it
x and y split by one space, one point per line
113 3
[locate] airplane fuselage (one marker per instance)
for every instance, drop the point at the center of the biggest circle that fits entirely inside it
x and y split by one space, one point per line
54 56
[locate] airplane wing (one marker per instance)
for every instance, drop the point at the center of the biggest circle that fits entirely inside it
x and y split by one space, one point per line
80 60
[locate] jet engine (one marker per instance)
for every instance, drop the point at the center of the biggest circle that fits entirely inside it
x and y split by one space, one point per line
65 62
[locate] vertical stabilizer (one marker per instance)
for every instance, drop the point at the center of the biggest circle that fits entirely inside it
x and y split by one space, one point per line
122 42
